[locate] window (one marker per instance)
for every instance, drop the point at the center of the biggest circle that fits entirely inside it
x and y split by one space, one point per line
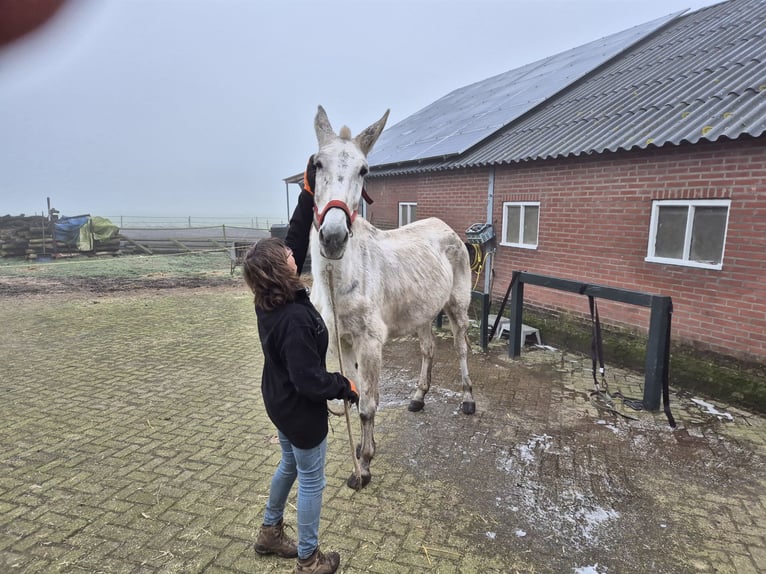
520 224
361 209
689 232
407 213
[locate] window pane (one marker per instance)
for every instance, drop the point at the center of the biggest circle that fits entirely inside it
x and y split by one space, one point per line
413 208
707 234
671 229
513 221
531 217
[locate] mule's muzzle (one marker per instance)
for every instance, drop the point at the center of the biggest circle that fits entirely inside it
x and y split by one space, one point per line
333 241
334 226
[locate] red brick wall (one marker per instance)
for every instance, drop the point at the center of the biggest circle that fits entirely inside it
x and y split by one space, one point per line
455 197
594 224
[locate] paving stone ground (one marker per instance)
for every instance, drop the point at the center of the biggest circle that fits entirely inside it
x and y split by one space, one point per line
134 440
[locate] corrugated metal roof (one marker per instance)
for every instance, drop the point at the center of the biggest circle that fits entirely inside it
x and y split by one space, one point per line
703 77
464 117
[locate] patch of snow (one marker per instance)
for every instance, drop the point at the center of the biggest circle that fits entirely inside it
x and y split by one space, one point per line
505 463
710 409
527 451
520 533
491 535
593 518
572 517
610 426
508 462
449 393
589 570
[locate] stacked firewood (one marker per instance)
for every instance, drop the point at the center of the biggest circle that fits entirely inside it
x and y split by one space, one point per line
26 236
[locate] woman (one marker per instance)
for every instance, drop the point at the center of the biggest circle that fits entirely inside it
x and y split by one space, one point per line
296 386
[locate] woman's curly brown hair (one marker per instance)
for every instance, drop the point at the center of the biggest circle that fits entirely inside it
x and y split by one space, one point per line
267 273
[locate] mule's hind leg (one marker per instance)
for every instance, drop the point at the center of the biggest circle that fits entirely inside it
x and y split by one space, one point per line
458 320
368 372
426 336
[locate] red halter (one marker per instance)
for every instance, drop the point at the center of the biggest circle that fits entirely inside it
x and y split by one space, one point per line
319 217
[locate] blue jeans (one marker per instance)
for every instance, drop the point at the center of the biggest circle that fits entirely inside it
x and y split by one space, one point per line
307 465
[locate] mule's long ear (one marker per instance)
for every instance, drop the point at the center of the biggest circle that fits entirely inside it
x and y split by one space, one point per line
368 137
322 126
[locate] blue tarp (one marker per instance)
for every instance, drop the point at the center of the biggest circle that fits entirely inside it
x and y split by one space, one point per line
67 229
82 231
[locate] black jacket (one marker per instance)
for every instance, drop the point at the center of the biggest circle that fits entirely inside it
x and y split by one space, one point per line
295 383
297 237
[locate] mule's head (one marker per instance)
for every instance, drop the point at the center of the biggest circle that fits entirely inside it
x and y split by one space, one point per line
341 164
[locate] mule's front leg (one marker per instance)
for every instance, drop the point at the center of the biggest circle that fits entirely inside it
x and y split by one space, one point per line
461 345
364 452
426 336
368 371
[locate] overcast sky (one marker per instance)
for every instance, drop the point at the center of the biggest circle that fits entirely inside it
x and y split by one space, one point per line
202 107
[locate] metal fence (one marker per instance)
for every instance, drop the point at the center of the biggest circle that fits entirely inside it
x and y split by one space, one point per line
156 240
188 222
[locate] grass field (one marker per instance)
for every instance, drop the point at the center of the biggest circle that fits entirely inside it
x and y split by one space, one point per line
134 266
107 274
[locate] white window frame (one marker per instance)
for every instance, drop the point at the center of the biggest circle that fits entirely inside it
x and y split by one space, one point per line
691 204
407 204
520 243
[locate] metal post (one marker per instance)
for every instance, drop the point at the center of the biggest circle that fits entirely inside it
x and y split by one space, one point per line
485 303
488 260
657 351
486 296
517 306
287 197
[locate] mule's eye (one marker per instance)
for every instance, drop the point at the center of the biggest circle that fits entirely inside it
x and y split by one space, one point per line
317 164
364 171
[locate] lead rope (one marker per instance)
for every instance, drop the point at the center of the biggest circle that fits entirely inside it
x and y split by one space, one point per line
597 355
346 409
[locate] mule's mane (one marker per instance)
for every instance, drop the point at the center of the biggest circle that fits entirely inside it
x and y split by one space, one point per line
345 133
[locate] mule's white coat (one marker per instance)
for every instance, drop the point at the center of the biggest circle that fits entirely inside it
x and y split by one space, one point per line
384 283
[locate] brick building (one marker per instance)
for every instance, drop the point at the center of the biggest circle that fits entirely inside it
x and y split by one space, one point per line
636 161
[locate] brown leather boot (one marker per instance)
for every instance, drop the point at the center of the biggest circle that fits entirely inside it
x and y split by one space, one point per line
273 540
318 563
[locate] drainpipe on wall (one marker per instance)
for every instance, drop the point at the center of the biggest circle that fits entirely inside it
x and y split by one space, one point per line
490 209
491 193
489 246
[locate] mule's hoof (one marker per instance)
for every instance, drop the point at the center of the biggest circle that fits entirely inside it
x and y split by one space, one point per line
469 408
415 406
354 483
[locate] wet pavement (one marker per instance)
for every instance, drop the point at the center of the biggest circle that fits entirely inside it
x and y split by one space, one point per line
134 440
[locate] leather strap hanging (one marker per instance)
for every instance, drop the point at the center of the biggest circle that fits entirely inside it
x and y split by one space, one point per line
502 307
597 355
596 344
